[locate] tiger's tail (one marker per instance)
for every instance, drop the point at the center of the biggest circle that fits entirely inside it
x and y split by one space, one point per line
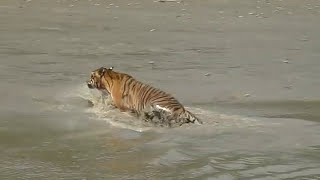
192 118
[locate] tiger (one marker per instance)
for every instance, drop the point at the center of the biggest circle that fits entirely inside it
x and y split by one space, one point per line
131 95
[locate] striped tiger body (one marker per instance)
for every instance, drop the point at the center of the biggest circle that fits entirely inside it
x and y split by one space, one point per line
129 94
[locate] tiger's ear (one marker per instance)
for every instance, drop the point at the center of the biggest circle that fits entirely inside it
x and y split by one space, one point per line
102 70
111 68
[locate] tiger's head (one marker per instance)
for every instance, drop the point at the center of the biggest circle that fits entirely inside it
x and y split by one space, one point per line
96 78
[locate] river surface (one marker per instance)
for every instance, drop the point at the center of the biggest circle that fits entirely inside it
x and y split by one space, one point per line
249 69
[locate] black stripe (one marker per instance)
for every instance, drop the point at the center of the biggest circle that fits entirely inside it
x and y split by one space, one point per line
134 85
124 88
145 97
129 84
138 88
160 100
108 85
142 91
151 94
176 108
158 92
175 103
133 89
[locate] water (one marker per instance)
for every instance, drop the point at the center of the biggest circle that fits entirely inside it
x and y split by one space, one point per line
249 70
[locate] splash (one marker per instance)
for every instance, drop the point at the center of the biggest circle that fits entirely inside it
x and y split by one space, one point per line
101 109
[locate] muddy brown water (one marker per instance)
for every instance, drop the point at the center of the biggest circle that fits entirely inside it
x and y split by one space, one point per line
248 69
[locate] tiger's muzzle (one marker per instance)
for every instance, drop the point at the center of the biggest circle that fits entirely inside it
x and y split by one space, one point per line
91 84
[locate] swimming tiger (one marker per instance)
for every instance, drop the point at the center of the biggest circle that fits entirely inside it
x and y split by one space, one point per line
128 94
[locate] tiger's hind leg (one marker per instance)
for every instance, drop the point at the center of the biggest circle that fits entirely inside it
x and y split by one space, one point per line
156 117
188 117
163 118
152 116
